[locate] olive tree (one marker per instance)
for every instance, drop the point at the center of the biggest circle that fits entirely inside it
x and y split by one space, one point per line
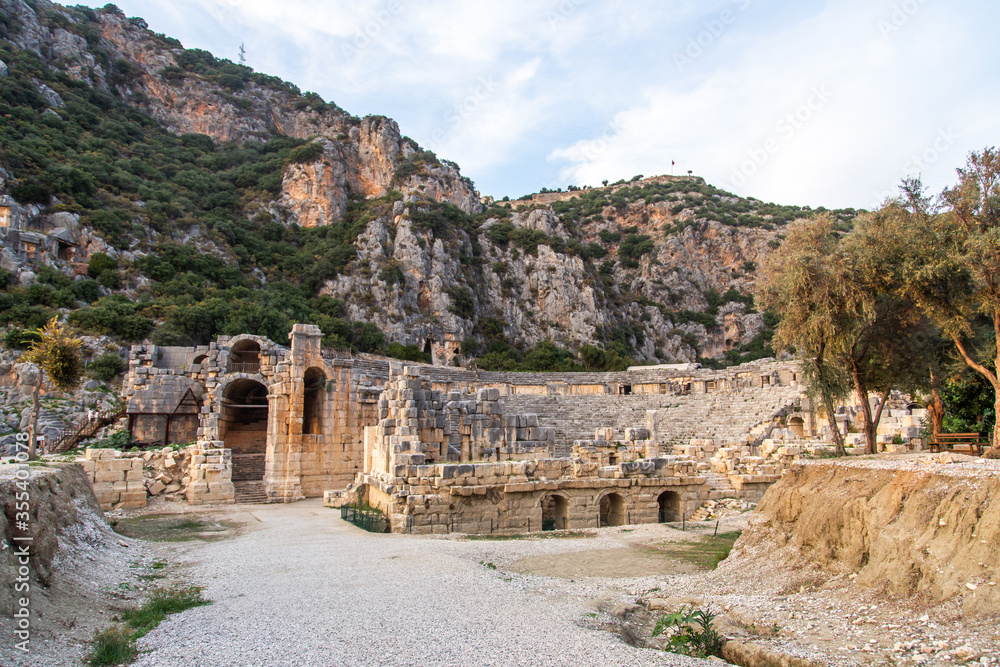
851 334
803 282
950 265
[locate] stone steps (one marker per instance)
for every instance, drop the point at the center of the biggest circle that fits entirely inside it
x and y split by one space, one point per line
378 367
248 467
251 493
720 487
679 417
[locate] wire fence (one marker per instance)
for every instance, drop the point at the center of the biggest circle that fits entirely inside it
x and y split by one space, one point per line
365 518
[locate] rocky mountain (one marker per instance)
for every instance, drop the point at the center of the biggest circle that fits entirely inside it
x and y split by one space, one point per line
155 191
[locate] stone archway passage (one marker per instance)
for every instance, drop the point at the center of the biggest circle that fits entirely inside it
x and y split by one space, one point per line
243 427
797 425
670 506
612 510
555 512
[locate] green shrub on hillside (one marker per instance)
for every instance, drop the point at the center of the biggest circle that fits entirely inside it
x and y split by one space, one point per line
107 367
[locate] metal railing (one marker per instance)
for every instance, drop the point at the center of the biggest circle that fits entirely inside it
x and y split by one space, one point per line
244 366
364 518
84 428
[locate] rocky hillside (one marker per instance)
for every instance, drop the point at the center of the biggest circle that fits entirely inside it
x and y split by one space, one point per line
158 192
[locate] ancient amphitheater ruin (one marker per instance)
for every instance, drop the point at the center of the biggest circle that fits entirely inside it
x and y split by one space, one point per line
443 449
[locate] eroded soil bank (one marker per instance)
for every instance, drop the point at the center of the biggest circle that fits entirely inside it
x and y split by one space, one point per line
922 526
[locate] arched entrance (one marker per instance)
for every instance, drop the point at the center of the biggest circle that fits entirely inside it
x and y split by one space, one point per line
612 510
797 426
670 506
244 357
555 512
314 382
243 428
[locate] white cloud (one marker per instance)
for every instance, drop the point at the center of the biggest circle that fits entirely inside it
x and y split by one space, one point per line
819 112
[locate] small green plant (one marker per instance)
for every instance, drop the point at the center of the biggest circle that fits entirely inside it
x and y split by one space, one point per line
118 440
691 632
116 645
897 439
159 606
112 646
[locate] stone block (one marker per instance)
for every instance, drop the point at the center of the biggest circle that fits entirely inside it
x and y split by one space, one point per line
108 476
105 496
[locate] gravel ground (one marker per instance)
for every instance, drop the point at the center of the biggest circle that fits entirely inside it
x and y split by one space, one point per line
303 588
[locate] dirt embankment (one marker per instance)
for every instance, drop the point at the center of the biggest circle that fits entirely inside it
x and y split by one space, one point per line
923 526
47 503
79 570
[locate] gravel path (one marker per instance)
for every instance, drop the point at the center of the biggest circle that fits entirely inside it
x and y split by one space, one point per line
304 588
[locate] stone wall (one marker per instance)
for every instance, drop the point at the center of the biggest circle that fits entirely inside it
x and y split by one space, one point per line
169 388
211 474
116 477
127 479
507 497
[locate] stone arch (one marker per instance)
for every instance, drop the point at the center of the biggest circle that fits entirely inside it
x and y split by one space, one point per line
797 426
199 359
611 510
243 417
314 401
670 508
244 357
555 512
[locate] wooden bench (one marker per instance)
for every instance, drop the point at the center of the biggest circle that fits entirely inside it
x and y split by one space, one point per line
957 441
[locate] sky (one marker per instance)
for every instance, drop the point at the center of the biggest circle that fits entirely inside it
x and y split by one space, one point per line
808 102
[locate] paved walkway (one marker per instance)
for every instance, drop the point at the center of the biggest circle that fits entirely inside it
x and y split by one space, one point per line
306 589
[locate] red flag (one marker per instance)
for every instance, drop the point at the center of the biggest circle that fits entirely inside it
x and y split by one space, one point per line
672 163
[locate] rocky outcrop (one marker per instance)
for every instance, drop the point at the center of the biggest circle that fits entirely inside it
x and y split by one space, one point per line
548 295
363 163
